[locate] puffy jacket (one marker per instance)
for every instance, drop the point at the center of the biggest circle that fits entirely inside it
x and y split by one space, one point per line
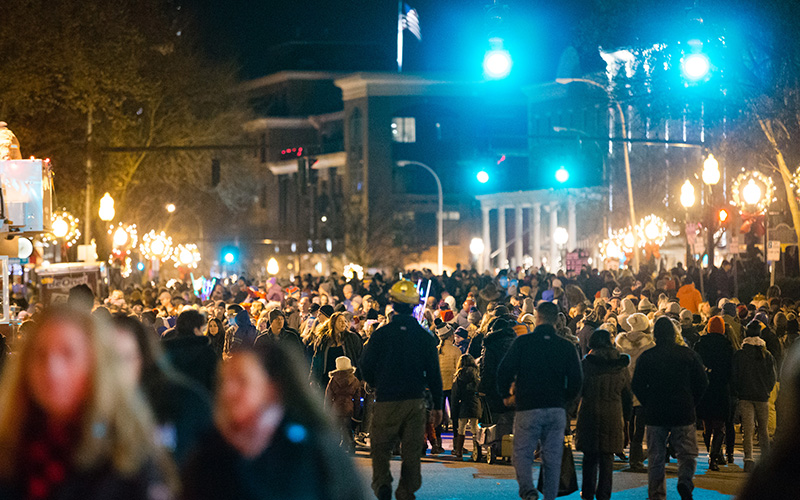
753 374
342 391
448 360
717 354
465 394
669 380
634 344
606 396
689 298
626 309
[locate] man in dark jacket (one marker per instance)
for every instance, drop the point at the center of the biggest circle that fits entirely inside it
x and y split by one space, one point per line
189 352
400 361
669 381
279 332
753 377
717 354
546 374
243 332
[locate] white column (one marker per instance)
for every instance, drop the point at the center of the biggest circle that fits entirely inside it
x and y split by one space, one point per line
486 258
501 238
518 235
536 234
572 226
553 246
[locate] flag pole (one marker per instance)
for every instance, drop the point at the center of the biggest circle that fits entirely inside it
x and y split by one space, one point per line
400 36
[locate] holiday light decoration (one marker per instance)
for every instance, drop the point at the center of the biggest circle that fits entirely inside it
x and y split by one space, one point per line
186 256
124 235
65 227
156 246
753 191
351 270
652 229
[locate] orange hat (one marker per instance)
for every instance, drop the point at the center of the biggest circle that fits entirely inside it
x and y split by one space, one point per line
716 325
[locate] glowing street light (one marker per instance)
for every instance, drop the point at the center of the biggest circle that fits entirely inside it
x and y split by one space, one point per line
561 236
751 193
687 195
60 227
497 62
272 266
711 173
107 211
476 246
562 175
483 176
170 207
695 66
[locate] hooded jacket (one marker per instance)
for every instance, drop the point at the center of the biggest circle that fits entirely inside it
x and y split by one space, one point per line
465 394
753 374
342 392
669 380
606 396
689 298
626 309
194 357
634 344
245 333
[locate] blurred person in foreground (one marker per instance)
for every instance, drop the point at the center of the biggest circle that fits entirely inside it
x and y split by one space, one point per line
181 407
69 427
271 439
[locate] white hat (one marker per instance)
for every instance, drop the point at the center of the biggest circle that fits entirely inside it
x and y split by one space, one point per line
638 322
343 364
645 305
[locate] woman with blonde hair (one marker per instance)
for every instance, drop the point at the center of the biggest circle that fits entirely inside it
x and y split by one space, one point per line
335 339
69 427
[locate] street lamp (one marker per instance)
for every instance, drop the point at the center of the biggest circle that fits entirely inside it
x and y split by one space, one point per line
711 173
170 207
565 81
106 211
687 195
440 213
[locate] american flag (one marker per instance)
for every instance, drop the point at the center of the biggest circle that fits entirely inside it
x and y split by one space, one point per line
409 19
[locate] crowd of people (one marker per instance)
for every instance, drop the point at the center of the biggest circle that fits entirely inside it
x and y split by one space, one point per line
263 388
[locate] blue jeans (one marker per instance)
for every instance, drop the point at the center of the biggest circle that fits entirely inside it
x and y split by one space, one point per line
530 427
684 442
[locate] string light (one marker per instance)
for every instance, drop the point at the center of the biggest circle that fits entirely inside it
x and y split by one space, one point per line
753 191
351 270
65 227
186 256
156 246
124 235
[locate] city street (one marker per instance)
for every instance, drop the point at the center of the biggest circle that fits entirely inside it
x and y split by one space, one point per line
445 479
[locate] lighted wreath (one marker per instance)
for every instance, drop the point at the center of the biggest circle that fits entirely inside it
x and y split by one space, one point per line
753 191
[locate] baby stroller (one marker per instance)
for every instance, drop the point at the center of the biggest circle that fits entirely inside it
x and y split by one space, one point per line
495 437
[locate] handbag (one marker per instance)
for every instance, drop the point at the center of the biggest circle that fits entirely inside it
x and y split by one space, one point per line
568 481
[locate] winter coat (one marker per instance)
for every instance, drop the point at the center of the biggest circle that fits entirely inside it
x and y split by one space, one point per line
753 373
669 380
634 344
735 332
245 333
286 336
476 346
448 360
462 318
545 369
465 394
690 335
353 346
194 357
606 398
495 345
584 334
717 354
299 463
343 392
689 298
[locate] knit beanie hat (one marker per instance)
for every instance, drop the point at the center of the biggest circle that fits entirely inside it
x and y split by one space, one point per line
664 330
742 311
753 329
673 308
716 325
729 308
274 314
474 316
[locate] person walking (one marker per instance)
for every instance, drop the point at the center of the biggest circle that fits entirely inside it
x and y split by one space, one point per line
752 379
634 343
448 362
606 397
669 381
546 374
465 399
717 354
400 361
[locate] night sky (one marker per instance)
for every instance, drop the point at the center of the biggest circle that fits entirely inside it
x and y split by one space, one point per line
363 33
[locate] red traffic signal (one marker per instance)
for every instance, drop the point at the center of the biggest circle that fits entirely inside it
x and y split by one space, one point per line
723 215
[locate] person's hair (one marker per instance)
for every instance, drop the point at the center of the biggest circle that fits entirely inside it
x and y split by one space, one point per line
189 320
664 331
600 338
466 363
81 297
329 332
687 280
116 426
220 326
547 312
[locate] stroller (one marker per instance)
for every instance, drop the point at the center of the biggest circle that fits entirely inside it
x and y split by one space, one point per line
494 436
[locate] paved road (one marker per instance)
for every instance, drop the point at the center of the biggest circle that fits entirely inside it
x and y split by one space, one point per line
445 479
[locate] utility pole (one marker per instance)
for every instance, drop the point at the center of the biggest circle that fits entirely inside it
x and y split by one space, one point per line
87 215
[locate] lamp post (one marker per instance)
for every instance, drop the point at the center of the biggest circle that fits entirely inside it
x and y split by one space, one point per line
440 214
106 211
687 201
565 81
710 177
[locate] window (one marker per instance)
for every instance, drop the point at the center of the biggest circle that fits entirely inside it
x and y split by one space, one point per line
404 129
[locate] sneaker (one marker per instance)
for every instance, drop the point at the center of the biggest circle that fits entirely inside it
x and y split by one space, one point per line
622 457
684 492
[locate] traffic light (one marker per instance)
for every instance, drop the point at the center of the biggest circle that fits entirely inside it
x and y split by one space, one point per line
483 176
497 61
723 215
562 175
230 255
695 64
